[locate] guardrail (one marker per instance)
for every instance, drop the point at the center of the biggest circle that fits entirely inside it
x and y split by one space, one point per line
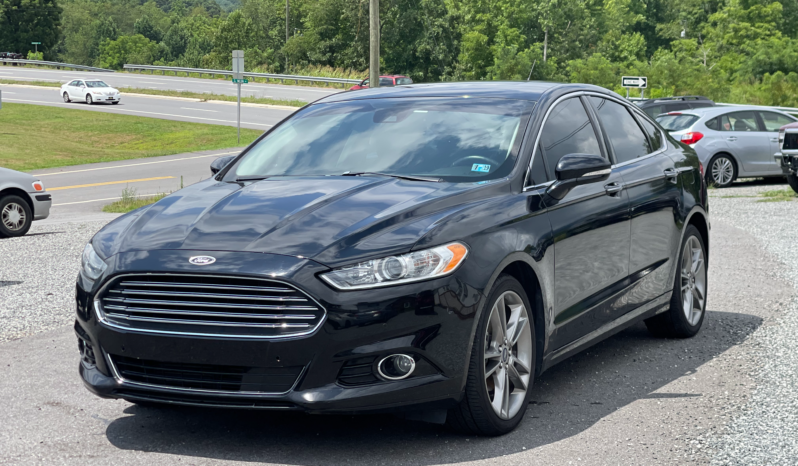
53 63
213 73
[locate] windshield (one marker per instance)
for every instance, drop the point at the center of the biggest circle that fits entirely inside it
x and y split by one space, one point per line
455 140
96 84
676 122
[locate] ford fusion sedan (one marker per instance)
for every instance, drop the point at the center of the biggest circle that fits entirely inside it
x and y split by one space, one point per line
732 142
23 199
90 91
429 249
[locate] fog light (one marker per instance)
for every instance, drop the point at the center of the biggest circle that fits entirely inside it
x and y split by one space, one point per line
396 366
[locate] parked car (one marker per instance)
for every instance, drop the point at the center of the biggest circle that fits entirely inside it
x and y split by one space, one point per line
787 156
23 199
385 81
401 250
11 55
654 107
732 142
90 91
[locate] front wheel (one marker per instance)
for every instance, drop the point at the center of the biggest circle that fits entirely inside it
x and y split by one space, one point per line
66 98
689 299
792 180
89 100
722 171
114 103
502 365
15 216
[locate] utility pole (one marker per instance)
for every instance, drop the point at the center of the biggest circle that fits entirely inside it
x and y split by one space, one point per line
374 43
287 16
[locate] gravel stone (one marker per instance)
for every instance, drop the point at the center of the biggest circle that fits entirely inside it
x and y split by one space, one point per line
37 277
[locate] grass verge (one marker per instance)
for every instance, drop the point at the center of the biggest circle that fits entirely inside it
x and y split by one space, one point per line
204 96
778 195
130 200
35 137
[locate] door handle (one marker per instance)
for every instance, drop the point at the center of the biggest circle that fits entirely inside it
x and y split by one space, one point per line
731 138
613 188
774 139
672 174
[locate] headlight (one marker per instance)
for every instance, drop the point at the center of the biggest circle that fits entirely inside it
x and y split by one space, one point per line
411 267
92 265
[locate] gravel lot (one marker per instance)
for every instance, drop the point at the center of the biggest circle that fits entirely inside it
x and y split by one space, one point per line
726 396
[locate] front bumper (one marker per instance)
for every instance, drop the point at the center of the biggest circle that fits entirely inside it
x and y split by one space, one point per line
431 320
41 205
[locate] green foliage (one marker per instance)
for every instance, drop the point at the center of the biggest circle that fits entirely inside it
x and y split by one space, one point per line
127 49
35 55
26 21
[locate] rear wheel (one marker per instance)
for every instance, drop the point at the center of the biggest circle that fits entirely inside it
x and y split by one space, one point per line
722 171
89 100
792 180
688 302
15 216
66 98
502 365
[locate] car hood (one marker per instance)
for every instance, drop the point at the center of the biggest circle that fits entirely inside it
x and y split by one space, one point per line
329 219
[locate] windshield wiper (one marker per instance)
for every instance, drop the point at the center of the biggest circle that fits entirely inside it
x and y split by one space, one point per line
403 177
251 178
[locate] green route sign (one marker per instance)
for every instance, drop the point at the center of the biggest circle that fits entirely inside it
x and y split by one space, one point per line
241 81
35 43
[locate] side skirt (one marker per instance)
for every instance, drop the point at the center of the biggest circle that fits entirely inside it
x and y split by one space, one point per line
654 307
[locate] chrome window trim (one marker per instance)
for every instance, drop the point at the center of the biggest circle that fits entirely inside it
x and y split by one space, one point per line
100 313
620 100
124 383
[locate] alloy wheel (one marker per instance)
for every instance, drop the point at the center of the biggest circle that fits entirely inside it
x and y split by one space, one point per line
508 355
13 216
722 171
694 280
66 97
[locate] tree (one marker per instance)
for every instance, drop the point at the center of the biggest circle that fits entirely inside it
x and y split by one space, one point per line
176 41
127 49
146 28
26 21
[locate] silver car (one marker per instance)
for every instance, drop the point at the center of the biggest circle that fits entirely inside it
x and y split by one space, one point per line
731 142
23 199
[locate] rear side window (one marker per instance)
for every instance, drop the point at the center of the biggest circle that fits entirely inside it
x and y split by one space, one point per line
653 111
773 121
739 121
677 122
712 124
387 82
568 131
626 138
403 81
654 134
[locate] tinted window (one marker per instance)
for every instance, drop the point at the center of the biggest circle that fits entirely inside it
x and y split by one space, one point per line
773 121
627 139
537 172
676 122
712 124
738 121
403 81
568 131
386 82
96 84
654 134
457 140
653 111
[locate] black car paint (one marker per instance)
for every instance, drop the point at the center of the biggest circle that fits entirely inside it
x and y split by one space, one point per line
612 270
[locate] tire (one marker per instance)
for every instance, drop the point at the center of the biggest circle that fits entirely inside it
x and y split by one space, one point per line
15 216
721 171
792 180
115 103
89 100
66 98
675 323
476 413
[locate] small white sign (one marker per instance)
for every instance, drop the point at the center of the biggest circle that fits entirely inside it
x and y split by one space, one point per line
238 64
634 81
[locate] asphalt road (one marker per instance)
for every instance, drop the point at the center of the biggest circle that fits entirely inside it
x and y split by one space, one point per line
81 191
175 83
168 108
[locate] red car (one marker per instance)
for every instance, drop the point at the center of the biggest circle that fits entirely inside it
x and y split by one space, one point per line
385 81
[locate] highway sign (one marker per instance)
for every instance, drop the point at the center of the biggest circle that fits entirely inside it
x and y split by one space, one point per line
634 81
35 43
240 81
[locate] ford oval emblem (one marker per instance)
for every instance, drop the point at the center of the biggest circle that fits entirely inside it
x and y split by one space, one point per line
202 260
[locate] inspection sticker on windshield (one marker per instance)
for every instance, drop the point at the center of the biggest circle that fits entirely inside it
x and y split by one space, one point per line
478 167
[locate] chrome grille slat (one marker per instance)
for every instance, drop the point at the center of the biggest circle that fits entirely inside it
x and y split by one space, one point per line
207 314
207 305
207 322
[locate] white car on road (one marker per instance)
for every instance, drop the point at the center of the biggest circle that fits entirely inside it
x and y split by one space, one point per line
89 91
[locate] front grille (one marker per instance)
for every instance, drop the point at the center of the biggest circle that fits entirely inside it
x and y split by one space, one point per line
207 377
790 141
209 305
203 400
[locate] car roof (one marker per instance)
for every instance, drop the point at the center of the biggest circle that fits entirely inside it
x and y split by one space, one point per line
517 90
710 112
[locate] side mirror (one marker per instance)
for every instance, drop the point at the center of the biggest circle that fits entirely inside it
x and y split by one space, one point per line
218 164
578 169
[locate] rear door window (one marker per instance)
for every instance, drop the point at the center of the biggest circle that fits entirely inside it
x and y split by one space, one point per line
386 82
403 81
626 137
568 130
739 121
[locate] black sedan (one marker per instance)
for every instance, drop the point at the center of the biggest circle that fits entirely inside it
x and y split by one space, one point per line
426 249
